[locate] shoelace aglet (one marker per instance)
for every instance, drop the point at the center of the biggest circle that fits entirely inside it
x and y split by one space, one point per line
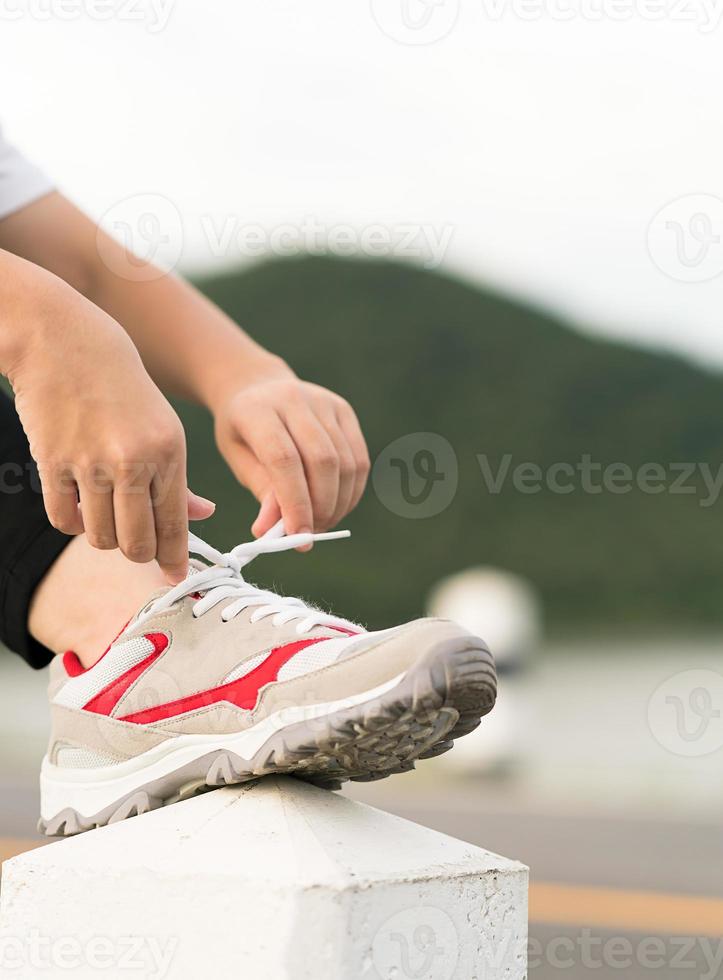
299 540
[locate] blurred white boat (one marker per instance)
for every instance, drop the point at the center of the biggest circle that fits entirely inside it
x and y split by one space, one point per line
504 610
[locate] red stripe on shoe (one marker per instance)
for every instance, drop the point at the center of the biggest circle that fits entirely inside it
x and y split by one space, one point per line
243 692
104 702
72 664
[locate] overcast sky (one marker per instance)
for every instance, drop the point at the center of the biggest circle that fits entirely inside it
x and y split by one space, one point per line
571 153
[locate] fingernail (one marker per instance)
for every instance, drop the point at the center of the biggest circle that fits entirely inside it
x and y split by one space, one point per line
305 547
205 500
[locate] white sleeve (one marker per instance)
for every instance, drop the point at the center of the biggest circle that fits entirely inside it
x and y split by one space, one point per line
21 182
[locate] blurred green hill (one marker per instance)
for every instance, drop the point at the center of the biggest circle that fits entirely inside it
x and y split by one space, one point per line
417 351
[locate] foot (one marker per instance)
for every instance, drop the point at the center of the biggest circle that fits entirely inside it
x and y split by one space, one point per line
216 681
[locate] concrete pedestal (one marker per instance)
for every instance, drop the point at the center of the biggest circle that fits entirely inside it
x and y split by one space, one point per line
277 880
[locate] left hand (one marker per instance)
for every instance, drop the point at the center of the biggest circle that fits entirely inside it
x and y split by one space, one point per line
298 447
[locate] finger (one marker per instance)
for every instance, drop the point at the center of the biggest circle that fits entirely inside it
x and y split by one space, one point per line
275 449
134 524
169 496
60 496
321 463
349 424
347 467
199 508
96 507
251 474
269 513
247 469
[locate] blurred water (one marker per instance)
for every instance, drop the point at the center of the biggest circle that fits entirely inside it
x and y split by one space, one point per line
627 725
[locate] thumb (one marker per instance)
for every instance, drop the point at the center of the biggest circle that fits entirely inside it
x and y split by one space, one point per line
198 507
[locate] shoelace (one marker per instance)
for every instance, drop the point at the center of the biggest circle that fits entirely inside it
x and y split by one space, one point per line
223 580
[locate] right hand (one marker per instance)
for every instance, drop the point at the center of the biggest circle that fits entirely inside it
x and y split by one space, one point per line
110 450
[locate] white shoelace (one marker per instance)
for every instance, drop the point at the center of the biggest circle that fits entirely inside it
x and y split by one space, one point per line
223 580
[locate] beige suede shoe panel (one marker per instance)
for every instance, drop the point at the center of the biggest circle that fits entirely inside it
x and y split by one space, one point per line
85 729
202 652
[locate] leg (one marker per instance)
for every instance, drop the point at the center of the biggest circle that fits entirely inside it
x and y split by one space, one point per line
55 592
87 597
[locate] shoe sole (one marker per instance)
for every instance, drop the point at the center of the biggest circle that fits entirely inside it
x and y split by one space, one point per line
437 700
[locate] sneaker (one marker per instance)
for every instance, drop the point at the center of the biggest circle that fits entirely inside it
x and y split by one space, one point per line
216 681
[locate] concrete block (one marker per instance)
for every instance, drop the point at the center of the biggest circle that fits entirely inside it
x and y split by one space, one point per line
276 880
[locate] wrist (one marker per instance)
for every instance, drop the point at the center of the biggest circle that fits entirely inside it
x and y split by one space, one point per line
31 301
249 366
48 323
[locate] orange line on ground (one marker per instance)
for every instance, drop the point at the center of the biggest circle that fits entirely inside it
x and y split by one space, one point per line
10 846
576 905
610 908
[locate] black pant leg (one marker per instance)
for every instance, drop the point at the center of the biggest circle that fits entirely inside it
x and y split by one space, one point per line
29 544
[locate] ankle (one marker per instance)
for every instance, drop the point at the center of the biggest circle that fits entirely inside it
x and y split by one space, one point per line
86 598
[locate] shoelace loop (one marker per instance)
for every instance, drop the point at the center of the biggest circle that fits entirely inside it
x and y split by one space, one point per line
222 579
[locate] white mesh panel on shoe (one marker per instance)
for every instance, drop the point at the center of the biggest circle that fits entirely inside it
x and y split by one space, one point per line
241 670
78 691
78 758
322 654
310 658
313 657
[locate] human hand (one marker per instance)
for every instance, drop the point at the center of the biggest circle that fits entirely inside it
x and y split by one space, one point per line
101 431
298 447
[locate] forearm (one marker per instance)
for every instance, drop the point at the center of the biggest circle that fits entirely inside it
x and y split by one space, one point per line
189 346
295 445
30 298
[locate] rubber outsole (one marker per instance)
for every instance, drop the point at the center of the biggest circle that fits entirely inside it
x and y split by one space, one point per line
439 699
